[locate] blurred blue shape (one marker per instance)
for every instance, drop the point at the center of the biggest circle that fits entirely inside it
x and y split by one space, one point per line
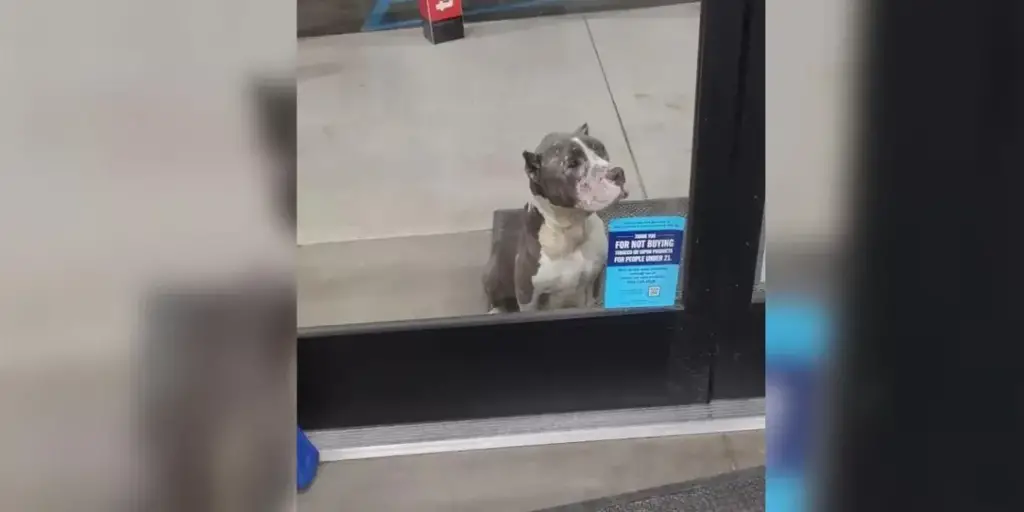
795 330
784 493
308 458
376 15
796 343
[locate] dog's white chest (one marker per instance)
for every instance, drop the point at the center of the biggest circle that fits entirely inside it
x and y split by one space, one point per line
570 263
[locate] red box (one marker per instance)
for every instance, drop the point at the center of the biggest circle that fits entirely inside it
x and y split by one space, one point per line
442 20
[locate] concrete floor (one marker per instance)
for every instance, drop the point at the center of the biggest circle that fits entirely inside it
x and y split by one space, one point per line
406 149
526 479
398 137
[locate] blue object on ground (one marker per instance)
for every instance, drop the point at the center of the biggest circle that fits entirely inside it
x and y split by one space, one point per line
308 458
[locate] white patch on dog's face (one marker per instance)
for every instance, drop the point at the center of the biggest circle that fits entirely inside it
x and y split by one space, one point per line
597 188
573 171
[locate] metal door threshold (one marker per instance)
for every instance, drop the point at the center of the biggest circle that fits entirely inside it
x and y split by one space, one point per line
415 439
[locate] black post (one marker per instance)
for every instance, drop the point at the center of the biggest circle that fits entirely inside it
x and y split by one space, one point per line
727 189
931 324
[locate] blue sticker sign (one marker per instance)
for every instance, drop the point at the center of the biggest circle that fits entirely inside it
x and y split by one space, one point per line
644 254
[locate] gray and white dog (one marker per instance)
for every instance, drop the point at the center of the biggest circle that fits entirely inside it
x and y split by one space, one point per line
553 255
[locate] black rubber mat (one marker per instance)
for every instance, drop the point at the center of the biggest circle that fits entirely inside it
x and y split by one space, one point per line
738 491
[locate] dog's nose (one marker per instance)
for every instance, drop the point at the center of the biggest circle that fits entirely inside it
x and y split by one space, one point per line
617 175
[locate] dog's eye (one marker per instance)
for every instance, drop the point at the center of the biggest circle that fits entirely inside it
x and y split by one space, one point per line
575 162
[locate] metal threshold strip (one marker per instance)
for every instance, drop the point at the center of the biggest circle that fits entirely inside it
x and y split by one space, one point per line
416 439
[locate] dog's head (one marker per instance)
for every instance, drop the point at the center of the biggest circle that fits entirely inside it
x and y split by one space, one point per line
571 170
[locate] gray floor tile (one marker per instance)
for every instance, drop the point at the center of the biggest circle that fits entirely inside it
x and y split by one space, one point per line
650 59
392 279
515 479
746 448
398 137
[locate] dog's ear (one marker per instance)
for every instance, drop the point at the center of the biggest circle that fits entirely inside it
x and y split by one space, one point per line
532 164
584 129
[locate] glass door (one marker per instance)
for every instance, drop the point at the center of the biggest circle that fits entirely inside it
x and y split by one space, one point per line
529 220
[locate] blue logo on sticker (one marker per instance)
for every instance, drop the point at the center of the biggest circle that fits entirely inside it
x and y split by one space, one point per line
644 255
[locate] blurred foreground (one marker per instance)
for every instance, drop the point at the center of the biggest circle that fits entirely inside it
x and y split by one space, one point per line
146 304
893 289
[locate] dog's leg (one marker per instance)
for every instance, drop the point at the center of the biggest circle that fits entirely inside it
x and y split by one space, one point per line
594 290
539 302
583 295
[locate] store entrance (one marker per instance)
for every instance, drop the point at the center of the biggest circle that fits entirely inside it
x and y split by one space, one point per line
704 346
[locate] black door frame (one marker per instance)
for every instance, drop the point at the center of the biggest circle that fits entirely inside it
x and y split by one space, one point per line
522 364
727 210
